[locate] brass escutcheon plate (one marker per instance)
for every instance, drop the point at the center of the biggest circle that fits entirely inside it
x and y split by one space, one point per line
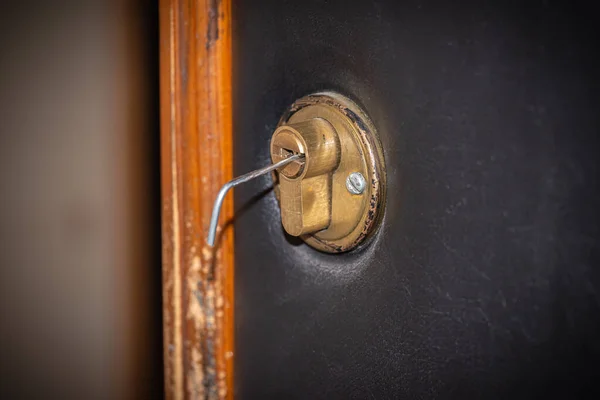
354 217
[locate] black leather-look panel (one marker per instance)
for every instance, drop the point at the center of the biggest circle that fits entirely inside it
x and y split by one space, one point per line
483 280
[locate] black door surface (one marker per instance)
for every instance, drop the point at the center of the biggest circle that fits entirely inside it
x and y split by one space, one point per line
482 281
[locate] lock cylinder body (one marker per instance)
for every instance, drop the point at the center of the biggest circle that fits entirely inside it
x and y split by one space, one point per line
305 188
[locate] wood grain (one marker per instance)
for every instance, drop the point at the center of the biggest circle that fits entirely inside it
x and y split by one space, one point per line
196 160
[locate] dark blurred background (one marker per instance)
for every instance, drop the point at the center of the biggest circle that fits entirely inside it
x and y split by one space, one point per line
80 306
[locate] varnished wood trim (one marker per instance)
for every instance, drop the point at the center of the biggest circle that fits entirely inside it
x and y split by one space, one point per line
196 159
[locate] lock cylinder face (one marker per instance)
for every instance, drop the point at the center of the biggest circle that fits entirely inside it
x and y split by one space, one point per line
286 142
340 148
316 139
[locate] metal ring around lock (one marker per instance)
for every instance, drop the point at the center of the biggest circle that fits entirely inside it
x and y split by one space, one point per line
354 216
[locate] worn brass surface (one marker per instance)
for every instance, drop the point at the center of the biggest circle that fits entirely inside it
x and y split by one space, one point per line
305 186
337 139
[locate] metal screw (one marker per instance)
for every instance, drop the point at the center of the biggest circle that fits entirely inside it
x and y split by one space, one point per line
355 183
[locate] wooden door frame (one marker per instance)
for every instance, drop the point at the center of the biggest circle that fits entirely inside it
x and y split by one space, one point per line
196 160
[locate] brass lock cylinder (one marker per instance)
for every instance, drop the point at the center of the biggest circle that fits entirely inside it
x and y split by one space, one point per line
339 146
305 186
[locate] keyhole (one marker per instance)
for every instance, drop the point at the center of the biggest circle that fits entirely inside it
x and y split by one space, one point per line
285 153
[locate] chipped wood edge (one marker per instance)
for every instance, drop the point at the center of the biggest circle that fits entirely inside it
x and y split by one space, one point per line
196 159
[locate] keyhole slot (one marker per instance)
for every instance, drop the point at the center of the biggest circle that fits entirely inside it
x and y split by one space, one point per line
285 153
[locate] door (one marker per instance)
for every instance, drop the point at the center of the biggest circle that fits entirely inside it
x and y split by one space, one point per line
480 281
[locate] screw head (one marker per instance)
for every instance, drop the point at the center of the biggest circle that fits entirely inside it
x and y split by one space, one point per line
355 183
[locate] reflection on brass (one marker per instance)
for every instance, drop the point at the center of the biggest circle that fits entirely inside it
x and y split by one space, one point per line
338 141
